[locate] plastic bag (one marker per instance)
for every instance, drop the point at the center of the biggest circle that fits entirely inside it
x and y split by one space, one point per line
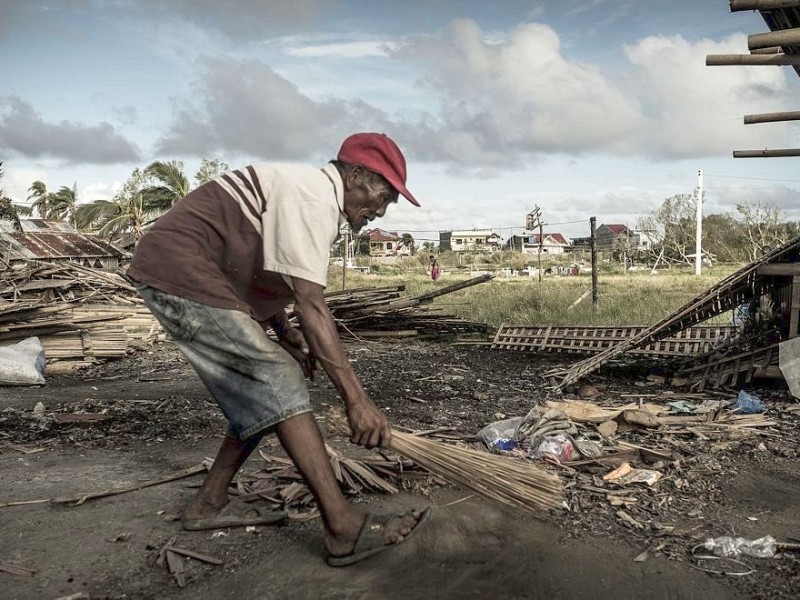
748 403
558 447
494 435
732 547
22 363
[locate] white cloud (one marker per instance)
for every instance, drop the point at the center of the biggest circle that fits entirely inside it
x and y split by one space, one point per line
26 132
246 107
355 49
16 181
503 103
695 110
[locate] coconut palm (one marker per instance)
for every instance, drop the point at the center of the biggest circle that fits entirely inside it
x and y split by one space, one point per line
41 198
113 218
63 203
172 185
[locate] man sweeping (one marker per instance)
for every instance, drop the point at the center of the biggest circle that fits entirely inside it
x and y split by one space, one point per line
218 269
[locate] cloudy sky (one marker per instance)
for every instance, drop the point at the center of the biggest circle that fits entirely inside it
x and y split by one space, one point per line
582 107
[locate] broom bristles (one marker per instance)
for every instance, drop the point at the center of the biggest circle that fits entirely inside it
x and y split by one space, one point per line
511 481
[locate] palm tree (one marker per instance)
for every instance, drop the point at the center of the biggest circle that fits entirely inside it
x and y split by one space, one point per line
41 198
172 185
113 218
62 204
407 240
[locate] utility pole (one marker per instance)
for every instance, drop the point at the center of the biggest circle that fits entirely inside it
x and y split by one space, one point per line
593 239
698 235
532 221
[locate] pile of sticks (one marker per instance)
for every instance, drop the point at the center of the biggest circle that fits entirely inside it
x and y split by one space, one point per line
84 315
382 312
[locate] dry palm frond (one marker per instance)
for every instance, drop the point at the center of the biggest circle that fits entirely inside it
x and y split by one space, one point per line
512 481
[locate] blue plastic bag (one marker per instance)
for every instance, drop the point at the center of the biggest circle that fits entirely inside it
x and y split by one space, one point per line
748 404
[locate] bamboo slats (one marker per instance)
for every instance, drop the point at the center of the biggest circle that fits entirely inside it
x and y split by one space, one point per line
732 291
592 340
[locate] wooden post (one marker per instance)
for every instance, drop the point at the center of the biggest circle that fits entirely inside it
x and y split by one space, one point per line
721 60
766 153
541 246
794 307
772 117
592 223
783 37
737 5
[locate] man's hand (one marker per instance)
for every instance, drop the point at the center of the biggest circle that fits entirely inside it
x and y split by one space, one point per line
368 426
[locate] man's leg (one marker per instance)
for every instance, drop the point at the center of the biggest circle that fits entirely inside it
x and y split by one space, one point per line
303 442
213 494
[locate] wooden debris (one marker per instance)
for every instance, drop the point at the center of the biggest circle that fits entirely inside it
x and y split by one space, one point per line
729 293
80 499
16 569
582 339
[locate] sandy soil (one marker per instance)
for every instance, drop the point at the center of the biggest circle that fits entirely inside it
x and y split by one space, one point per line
158 418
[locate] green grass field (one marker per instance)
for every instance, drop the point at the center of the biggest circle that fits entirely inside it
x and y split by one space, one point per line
636 298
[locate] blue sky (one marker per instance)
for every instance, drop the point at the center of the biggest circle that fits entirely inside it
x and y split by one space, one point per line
583 108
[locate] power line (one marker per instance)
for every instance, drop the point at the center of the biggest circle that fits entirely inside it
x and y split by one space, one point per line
755 178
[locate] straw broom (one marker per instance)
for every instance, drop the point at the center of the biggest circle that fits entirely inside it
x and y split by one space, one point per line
515 482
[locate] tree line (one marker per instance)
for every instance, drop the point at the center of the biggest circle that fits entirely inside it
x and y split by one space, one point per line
740 235
147 194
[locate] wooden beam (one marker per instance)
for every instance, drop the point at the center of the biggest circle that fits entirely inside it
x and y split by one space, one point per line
772 117
766 153
737 5
768 372
779 269
770 50
719 60
783 37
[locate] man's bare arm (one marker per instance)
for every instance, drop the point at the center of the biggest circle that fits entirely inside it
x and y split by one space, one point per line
367 424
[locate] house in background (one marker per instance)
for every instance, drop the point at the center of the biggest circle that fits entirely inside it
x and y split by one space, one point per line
55 241
615 235
386 243
472 239
528 243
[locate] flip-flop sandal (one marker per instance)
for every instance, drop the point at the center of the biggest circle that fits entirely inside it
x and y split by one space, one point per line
235 514
370 539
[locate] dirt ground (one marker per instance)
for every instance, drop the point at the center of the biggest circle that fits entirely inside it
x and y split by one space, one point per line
157 418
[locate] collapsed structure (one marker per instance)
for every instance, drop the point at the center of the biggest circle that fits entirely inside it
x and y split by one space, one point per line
766 294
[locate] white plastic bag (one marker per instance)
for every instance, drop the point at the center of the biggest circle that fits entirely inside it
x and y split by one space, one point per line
22 363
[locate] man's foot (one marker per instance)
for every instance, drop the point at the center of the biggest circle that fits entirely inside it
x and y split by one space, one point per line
234 514
376 533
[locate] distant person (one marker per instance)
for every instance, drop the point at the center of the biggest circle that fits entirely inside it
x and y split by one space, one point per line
241 248
434 267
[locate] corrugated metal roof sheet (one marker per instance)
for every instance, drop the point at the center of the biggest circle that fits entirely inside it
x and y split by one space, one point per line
54 245
33 225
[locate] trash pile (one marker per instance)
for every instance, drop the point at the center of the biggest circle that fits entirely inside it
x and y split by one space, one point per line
649 462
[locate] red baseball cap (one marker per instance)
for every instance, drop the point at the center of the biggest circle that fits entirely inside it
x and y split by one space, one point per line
379 154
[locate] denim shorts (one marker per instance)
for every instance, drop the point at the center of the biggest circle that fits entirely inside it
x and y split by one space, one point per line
255 382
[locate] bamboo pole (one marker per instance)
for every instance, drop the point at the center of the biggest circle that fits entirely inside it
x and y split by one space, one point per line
737 5
783 37
720 60
772 117
766 153
770 50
